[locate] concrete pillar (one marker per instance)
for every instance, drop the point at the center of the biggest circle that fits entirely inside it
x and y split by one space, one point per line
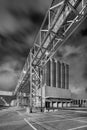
43 77
64 104
60 105
53 73
48 80
63 75
51 76
68 104
44 74
55 105
51 105
71 103
59 74
56 75
66 76
18 101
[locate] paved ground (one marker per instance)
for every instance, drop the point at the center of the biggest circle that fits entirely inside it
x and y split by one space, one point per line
11 120
60 120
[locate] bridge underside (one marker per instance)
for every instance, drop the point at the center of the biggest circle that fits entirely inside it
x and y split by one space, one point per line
61 21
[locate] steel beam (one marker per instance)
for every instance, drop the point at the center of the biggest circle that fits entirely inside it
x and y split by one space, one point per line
50 40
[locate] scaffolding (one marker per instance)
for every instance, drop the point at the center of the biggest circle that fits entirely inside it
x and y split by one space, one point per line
61 21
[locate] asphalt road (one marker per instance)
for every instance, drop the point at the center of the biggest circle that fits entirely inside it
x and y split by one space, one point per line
13 119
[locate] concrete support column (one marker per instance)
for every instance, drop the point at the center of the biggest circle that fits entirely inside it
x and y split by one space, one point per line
59 74
51 105
66 104
63 75
56 74
48 73
57 104
66 76
17 101
70 103
62 104
51 71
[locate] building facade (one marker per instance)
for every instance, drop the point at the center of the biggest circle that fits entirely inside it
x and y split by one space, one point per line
55 85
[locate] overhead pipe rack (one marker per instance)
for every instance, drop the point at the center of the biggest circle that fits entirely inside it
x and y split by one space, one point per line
61 21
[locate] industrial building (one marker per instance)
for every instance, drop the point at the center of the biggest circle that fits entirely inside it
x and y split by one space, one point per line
55 85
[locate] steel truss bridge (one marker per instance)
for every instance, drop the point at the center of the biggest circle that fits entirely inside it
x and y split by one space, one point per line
61 21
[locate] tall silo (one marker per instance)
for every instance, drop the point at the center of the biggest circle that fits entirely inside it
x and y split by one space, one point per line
53 73
67 76
58 74
44 76
48 73
63 75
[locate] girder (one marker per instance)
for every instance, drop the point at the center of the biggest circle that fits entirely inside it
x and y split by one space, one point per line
6 93
57 27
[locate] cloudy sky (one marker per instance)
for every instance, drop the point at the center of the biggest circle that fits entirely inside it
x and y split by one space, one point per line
20 21
74 51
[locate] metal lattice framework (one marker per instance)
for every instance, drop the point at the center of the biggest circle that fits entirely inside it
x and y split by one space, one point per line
61 20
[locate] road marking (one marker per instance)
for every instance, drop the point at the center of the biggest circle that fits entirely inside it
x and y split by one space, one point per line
81 111
29 123
58 116
77 111
65 115
74 119
62 120
76 128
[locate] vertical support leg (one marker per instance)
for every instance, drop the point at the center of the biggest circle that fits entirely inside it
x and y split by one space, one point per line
57 105
30 81
62 104
17 100
41 88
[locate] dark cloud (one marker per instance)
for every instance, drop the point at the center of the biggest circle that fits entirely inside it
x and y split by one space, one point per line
36 17
84 32
73 55
58 55
79 36
86 89
85 72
